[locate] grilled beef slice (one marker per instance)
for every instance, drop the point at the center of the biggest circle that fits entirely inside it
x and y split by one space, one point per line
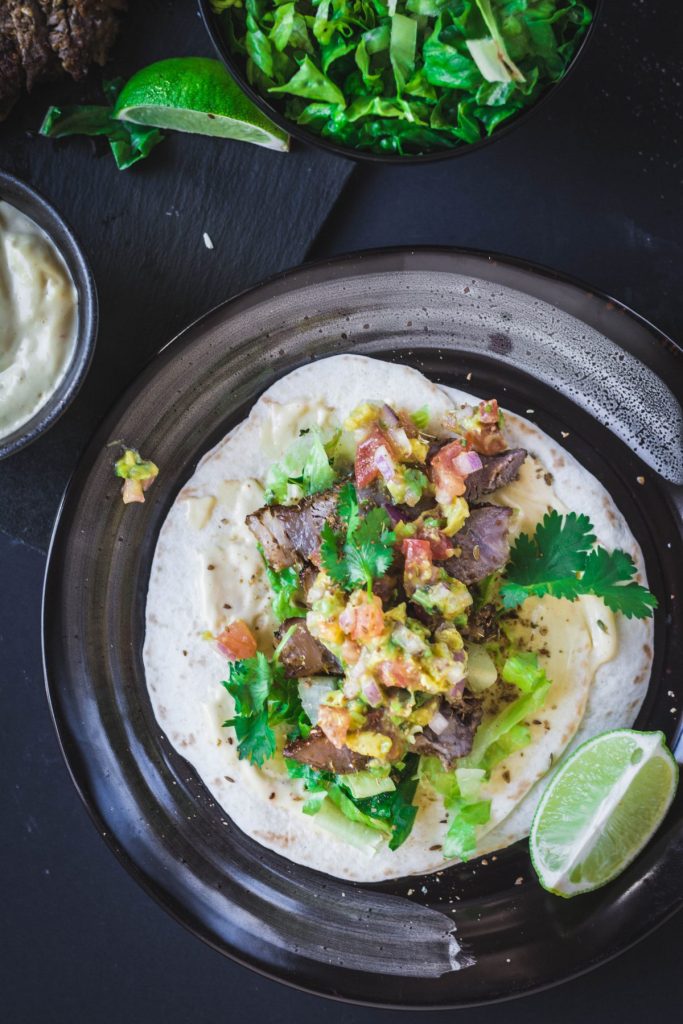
496 471
322 754
38 61
483 544
290 533
303 655
457 738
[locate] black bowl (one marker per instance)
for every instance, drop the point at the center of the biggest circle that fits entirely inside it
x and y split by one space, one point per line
237 70
605 384
31 203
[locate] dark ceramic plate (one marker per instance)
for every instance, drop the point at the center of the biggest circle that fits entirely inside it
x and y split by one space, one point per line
586 367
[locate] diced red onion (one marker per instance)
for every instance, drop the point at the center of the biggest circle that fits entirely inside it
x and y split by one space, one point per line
458 655
351 687
394 514
455 691
400 440
438 723
389 416
371 692
467 462
385 463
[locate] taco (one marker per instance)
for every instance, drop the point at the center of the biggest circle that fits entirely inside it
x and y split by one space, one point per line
379 614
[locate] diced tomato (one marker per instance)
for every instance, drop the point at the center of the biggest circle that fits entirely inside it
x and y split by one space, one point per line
419 567
448 482
374 457
350 652
365 620
442 546
398 673
488 441
488 411
334 722
237 641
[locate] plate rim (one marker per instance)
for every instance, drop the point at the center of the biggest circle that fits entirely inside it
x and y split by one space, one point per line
68 744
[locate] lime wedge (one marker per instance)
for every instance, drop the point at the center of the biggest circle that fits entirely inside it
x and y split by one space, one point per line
600 809
196 94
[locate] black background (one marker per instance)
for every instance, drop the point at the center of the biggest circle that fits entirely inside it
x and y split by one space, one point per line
590 186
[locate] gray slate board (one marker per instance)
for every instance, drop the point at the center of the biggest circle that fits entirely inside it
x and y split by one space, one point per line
142 231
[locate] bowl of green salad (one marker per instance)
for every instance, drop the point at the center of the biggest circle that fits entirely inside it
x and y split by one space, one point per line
398 80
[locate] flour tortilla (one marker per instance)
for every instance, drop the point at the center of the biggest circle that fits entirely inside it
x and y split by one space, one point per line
206 571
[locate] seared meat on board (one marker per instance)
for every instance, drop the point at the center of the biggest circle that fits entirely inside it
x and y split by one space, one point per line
42 39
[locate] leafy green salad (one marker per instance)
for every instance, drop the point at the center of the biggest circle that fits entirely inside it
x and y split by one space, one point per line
403 76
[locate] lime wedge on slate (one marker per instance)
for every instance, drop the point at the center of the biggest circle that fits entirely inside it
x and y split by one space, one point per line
600 809
196 94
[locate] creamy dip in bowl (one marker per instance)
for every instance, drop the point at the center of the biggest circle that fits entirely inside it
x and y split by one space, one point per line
48 315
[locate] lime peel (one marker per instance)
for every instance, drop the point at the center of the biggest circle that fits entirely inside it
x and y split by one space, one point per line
600 809
196 95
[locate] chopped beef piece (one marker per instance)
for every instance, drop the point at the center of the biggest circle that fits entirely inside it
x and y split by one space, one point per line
482 625
303 655
482 546
322 755
384 587
290 533
496 471
269 530
378 721
457 738
307 578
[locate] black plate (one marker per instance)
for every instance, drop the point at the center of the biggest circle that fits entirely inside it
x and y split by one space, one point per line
587 367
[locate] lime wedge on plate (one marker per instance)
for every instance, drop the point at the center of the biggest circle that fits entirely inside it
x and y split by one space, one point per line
196 94
600 809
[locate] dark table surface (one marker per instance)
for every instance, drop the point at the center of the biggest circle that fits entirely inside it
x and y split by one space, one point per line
592 187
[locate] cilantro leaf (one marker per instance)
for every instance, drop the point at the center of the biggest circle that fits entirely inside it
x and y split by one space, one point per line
366 552
285 586
264 697
558 560
607 575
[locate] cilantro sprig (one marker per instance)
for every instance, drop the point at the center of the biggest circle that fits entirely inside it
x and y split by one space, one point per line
264 698
559 559
364 551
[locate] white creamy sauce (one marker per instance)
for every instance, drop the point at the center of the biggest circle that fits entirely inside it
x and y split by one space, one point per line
38 318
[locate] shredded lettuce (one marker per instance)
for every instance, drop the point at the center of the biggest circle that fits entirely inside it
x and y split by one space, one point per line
304 469
403 76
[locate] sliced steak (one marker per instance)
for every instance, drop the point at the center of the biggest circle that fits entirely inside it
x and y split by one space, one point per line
482 546
496 471
290 533
321 754
457 738
303 655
